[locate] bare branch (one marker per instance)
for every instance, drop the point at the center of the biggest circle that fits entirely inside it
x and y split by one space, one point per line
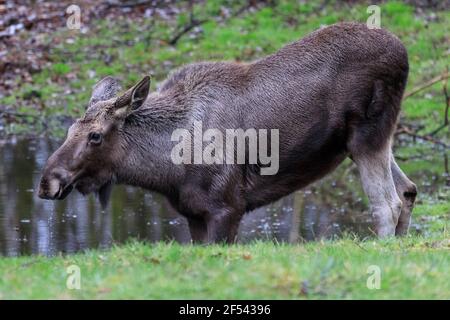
194 22
125 4
403 129
443 76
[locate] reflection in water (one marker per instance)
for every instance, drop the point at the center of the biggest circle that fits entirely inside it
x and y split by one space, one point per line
29 225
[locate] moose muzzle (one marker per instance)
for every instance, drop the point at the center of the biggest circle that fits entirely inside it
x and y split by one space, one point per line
55 184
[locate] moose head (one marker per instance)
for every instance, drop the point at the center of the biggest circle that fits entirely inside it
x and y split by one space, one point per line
86 160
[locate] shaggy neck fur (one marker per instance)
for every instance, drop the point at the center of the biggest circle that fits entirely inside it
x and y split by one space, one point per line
145 142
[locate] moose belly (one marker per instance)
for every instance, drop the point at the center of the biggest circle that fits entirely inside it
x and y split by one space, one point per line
297 170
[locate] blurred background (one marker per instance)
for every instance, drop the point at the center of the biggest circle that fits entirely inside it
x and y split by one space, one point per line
49 62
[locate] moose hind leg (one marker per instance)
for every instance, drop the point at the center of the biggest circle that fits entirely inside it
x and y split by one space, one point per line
378 184
407 192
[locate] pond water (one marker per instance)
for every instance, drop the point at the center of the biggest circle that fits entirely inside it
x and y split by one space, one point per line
29 225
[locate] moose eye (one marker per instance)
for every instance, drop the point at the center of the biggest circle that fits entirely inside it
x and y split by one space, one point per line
95 138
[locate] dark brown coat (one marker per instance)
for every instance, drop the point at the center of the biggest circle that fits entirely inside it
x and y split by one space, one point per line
333 94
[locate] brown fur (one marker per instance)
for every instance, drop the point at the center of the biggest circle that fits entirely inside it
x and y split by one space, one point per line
333 94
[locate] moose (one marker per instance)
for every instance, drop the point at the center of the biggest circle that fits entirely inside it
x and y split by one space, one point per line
336 93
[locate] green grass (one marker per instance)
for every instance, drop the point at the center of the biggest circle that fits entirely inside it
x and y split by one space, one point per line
412 267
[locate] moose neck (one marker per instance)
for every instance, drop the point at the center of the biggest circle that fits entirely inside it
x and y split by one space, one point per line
146 146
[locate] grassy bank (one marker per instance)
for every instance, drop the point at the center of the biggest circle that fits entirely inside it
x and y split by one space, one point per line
413 267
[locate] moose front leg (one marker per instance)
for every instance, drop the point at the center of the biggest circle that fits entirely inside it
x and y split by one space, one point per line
198 229
223 226
213 216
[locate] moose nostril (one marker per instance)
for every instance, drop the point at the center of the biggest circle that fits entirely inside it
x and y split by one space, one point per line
42 194
43 190
52 182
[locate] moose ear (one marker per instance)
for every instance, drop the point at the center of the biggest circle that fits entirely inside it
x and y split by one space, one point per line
132 99
140 93
103 90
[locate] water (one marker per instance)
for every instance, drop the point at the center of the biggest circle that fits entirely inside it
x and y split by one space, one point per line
29 225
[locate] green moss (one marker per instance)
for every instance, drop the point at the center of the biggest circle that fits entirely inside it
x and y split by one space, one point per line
8 100
61 68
